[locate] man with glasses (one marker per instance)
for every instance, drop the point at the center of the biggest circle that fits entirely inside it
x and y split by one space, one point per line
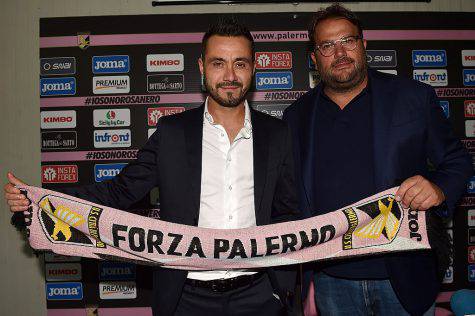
359 132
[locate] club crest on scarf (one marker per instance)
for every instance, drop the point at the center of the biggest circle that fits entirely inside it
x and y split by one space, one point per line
59 222
386 215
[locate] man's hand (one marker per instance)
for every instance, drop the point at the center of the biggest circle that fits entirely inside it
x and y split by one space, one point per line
418 193
17 201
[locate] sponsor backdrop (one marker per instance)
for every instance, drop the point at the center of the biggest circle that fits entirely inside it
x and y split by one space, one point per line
106 81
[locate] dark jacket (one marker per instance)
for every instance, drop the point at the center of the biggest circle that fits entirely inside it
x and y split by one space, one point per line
171 161
409 129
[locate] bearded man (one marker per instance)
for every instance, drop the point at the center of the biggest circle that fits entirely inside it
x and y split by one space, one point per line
222 165
360 132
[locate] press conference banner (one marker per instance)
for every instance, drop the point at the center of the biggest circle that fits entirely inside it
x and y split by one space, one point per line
105 81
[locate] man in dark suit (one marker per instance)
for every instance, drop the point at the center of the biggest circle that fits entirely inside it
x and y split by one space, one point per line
222 165
357 133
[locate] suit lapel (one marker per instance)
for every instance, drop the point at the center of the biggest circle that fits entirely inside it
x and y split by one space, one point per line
307 147
383 100
260 143
193 128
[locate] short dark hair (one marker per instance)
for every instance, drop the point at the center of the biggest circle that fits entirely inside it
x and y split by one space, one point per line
228 26
336 10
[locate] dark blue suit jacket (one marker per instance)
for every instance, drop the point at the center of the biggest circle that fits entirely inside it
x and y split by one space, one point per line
171 160
409 129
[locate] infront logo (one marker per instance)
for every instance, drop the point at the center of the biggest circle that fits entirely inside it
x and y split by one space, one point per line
165 62
112 138
429 58
274 80
64 291
434 77
154 114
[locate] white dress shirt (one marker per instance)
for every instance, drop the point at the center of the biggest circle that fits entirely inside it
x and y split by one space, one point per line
227 184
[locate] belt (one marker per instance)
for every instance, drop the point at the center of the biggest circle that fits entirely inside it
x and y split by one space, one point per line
224 285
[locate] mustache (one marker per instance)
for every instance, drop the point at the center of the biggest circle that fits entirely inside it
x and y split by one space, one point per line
227 84
343 59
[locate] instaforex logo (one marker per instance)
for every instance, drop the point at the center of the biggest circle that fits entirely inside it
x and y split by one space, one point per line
104 172
110 64
64 291
434 77
274 80
429 58
57 86
112 138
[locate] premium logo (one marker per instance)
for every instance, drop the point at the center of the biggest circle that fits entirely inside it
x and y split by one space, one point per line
165 83
64 291
470 128
110 64
274 80
471 254
471 217
469 108
449 275
110 84
445 107
59 140
275 110
429 58
104 172
117 290
154 114
313 78
468 58
112 138
57 66
59 173
434 77
388 71
381 58
111 117
273 60
57 86
63 271
469 77
165 62
58 119
52 257
119 271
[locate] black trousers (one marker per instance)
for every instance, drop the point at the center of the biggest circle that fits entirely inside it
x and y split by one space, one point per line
257 298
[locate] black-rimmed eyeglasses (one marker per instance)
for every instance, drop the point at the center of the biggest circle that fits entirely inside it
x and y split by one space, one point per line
347 42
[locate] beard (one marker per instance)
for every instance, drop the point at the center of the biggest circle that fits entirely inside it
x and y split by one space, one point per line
230 100
347 80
